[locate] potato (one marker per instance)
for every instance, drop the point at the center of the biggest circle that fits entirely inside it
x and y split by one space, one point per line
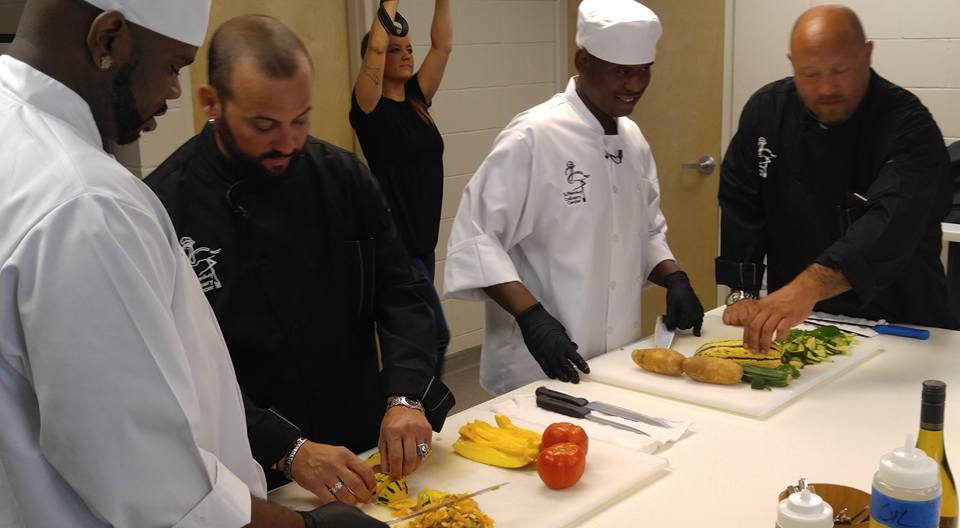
713 370
659 360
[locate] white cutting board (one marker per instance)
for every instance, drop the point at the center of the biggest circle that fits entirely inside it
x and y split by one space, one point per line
617 368
612 473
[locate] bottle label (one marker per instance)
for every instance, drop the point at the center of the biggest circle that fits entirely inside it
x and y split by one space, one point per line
896 513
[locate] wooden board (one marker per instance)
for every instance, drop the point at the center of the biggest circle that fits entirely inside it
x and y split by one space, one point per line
612 473
617 368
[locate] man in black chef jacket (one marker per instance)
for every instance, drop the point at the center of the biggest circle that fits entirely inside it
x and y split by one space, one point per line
840 179
296 251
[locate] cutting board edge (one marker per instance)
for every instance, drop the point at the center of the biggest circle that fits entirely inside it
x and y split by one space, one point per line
626 492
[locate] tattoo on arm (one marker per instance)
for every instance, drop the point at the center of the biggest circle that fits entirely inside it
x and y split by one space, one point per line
374 74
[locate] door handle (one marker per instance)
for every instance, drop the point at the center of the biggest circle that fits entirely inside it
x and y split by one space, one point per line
705 165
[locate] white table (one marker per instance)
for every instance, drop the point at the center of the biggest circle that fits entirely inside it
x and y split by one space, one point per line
730 469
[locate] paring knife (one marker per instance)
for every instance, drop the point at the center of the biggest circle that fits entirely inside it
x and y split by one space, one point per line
578 411
444 504
662 337
605 408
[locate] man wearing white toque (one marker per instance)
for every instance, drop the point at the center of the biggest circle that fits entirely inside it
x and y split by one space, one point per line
560 227
118 402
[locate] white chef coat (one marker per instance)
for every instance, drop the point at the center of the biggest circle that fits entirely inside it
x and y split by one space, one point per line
571 213
118 401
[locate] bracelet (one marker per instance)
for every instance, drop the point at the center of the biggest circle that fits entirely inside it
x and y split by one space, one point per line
390 26
288 461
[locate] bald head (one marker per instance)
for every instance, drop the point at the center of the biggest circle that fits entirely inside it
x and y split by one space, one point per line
274 49
831 62
827 25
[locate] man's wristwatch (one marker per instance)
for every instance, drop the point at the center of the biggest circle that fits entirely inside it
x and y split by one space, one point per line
404 401
739 295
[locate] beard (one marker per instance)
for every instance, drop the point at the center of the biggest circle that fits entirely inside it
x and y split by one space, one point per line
129 122
246 162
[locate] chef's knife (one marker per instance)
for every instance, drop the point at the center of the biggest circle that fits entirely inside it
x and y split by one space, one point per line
605 408
578 411
662 337
446 503
879 327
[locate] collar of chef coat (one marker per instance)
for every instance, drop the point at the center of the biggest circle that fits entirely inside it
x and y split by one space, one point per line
574 99
49 96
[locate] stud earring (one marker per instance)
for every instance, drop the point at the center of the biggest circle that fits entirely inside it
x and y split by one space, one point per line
105 63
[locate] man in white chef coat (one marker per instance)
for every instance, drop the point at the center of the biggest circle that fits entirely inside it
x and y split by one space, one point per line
561 227
118 402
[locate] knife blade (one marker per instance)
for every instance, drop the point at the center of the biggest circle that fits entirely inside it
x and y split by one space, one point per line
662 337
605 408
446 503
578 411
864 327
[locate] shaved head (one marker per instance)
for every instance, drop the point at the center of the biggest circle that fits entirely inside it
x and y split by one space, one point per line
827 24
275 50
831 61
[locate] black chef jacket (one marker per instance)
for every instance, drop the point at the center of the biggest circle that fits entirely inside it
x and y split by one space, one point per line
791 188
299 269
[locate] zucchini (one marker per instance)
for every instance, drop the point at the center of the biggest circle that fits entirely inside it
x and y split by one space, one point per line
763 378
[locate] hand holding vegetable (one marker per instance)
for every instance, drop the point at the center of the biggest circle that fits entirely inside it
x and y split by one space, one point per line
740 313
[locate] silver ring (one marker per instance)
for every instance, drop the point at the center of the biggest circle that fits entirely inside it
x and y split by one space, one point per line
336 487
422 449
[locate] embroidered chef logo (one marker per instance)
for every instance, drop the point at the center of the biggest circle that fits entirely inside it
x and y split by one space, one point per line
578 182
201 258
765 155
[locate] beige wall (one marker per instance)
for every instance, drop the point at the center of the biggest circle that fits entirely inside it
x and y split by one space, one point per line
917 45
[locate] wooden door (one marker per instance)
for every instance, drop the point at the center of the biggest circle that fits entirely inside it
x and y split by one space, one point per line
681 116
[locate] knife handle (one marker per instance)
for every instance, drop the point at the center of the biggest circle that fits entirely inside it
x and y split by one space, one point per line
902 331
561 407
557 395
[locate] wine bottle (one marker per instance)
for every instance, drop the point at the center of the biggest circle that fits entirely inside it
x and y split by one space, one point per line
930 440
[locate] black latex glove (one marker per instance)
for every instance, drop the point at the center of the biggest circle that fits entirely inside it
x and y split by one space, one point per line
548 342
339 515
683 307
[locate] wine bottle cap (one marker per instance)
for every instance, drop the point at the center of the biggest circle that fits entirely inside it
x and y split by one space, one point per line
909 468
804 509
934 391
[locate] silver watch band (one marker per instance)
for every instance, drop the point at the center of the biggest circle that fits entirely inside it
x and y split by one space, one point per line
404 401
739 295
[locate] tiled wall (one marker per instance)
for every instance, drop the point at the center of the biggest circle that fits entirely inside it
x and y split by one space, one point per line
506 59
917 45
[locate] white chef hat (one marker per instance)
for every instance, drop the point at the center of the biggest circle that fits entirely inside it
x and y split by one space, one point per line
618 31
183 20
